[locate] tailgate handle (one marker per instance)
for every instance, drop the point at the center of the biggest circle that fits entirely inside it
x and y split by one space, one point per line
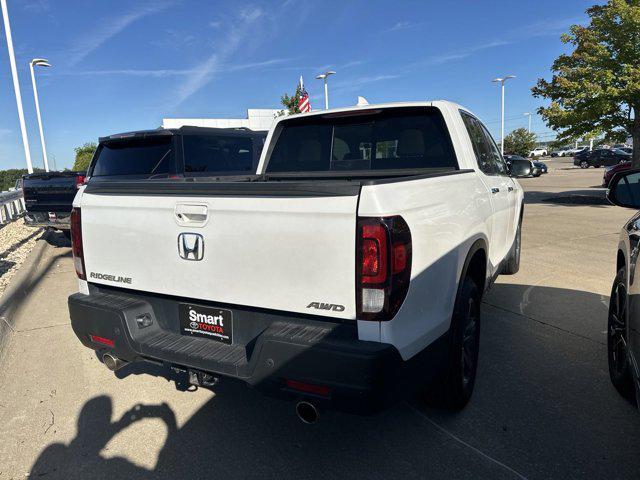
191 214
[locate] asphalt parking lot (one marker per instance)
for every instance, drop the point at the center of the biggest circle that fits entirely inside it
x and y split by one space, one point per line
543 405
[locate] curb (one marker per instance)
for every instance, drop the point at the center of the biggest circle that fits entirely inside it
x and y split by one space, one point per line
18 290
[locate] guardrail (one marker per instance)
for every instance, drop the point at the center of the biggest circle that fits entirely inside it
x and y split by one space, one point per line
11 206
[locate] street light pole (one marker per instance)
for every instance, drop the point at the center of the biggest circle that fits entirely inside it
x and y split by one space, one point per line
323 76
40 62
16 85
502 81
528 115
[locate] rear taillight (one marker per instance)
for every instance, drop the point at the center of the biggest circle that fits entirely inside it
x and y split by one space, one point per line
80 180
76 243
383 267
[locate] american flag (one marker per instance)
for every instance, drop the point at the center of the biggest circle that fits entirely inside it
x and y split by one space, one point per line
304 105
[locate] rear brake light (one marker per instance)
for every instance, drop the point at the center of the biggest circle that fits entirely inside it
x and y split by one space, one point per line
76 243
383 266
80 180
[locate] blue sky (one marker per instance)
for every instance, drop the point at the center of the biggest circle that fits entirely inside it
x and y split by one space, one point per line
124 65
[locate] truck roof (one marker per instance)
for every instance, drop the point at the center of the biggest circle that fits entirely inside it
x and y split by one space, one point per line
187 129
376 106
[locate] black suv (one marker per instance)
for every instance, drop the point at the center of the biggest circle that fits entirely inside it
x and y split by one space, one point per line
599 157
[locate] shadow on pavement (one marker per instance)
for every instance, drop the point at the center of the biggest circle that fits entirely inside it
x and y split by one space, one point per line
543 407
81 457
57 239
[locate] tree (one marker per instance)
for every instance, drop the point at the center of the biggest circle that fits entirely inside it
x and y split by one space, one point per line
291 102
84 154
597 86
520 142
8 177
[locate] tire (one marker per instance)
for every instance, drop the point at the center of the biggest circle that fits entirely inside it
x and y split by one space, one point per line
456 385
512 264
67 233
617 355
584 164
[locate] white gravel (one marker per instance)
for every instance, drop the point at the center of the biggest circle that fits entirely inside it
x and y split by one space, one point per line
16 242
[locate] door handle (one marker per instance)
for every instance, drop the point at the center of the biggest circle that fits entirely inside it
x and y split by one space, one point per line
510 189
495 190
191 214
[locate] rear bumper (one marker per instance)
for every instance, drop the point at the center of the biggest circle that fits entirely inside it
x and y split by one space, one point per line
59 220
269 349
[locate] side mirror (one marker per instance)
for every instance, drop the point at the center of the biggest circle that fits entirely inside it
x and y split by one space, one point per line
520 168
624 189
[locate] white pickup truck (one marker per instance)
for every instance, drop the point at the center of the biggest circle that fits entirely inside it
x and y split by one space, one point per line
347 271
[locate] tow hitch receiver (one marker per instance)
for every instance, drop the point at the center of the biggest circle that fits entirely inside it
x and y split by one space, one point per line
203 379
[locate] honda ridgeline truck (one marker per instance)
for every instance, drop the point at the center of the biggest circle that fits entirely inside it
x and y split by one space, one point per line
346 271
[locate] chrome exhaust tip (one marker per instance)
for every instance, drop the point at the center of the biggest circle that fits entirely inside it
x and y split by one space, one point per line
113 363
307 412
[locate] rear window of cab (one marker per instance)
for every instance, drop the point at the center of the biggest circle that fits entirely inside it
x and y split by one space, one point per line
197 155
380 139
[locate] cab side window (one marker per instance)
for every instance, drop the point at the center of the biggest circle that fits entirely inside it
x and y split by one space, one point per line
499 165
479 142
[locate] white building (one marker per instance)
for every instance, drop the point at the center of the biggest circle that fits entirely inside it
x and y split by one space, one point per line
257 119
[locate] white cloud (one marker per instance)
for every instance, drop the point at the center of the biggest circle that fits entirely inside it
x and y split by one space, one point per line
110 28
171 72
464 53
36 6
402 25
240 29
546 27
250 14
355 83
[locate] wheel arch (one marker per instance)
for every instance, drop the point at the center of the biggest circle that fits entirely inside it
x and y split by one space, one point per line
621 260
475 264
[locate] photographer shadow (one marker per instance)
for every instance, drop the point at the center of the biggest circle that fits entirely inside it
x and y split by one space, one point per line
81 457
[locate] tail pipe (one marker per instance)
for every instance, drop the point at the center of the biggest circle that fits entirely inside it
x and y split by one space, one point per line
307 412
113 363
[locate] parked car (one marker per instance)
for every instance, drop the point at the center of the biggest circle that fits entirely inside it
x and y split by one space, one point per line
578 149
561 152
580 157
538 152
600 157
257 278
540 166
623 329
623 150
609 172
537 168
48 198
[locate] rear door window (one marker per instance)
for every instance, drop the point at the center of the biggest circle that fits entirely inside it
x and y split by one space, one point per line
388 139
217 154
135 156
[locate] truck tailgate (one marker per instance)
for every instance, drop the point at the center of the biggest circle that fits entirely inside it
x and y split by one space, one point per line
52 192
275 252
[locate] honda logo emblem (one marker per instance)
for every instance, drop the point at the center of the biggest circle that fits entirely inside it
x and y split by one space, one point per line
191 246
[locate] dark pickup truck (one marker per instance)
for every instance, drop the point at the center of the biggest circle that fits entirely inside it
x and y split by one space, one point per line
48 198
